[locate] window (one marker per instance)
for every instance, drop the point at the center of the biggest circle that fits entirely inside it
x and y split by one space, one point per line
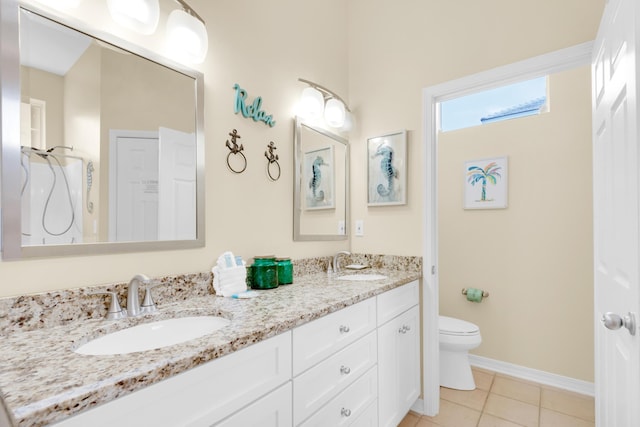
502 103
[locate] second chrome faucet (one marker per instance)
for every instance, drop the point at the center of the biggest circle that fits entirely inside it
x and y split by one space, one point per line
336 260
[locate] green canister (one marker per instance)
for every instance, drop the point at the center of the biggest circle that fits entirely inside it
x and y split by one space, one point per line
264 272
285 271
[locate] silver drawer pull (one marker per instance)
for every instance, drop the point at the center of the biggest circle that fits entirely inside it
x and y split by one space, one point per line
404 329
345 412
344 329
345 370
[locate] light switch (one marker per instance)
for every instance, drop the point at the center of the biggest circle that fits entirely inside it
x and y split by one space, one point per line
341 230
359 227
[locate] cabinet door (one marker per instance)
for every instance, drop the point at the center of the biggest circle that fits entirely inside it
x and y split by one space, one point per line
409 360
398 367
273 410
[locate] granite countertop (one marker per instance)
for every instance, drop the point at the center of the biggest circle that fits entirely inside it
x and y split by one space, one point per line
43 381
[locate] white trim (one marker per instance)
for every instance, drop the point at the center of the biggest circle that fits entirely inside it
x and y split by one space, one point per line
418 407
553 62
529 374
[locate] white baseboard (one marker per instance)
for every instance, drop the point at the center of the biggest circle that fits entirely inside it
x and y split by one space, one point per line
418 407
542 377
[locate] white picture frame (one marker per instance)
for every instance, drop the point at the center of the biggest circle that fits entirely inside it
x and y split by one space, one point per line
485 183
387 169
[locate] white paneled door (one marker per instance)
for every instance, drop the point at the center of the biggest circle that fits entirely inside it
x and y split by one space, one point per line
616 215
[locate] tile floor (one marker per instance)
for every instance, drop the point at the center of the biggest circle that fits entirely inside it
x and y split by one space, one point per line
502 401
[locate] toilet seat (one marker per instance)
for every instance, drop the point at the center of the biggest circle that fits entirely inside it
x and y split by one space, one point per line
457 327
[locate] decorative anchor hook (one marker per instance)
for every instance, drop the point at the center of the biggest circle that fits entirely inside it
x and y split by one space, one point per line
235 149
272 159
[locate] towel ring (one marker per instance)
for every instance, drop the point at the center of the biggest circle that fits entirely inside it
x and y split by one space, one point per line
235 149
272 159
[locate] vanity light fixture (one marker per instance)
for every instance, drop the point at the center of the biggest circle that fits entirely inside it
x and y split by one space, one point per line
187 38
315 99
138 15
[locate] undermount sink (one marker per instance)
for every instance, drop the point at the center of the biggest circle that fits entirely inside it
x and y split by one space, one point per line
150 336
362 277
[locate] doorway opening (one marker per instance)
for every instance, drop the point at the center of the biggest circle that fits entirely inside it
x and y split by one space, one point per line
537 67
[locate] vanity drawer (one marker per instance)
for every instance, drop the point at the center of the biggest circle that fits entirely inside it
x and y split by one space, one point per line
346 408
318 385
396 301
369 417
319 339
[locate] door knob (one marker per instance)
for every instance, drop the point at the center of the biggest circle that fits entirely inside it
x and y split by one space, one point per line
614 321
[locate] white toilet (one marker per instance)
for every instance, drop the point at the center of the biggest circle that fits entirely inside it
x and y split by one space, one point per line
457 337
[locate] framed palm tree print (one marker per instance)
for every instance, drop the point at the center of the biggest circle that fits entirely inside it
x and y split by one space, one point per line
485 183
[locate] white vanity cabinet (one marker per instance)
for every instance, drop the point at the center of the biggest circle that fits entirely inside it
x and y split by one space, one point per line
398 353
358 367
207 394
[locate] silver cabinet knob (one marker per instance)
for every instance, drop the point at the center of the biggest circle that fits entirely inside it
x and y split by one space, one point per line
344 370
344 329
345 412
614 322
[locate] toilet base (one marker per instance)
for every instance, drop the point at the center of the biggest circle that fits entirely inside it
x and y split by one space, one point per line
455 370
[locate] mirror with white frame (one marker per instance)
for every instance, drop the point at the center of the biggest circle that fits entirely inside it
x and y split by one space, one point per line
107 155
321 184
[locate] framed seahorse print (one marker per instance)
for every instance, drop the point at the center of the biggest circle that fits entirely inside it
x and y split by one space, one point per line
318 179
387 169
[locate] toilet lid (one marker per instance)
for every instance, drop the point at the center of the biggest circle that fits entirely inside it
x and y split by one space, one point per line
452 326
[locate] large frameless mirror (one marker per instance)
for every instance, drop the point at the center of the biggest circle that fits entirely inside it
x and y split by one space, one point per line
321 184
107 155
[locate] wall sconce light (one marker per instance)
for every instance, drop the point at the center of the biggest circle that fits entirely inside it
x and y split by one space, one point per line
187 37
187 40
317 99
138 15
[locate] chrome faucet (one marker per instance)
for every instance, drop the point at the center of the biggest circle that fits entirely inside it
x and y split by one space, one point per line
336 260
133 299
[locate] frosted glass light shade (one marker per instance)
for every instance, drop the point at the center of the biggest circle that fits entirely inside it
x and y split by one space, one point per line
61 4
187 38
311 103
138 15
334 113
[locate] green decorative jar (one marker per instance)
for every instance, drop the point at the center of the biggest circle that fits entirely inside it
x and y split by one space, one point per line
285 271
264 272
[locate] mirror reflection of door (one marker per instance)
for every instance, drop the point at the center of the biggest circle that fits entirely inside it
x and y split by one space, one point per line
177 185
134 180
147 205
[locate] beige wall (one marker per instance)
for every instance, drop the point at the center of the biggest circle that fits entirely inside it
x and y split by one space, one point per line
535 257
398 48
264 47
47 87
82 127
376 53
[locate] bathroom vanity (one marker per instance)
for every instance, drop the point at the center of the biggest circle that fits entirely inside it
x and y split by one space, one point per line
319 352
